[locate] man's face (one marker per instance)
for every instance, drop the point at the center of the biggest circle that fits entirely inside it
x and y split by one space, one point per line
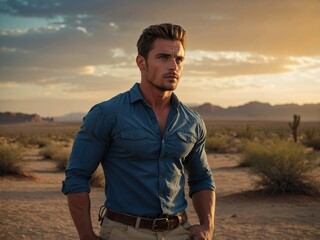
165 64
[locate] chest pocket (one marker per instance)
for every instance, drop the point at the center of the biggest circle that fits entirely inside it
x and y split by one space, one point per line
130 143
186 143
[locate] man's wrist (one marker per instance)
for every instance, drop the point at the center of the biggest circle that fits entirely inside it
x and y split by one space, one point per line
89 236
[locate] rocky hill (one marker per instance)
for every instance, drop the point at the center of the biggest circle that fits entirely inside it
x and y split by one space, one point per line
260 111
252 111
10 117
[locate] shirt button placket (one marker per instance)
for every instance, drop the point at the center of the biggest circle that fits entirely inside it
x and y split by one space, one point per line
162 184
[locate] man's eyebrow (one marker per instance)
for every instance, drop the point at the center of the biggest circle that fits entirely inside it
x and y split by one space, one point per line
164 54
168 55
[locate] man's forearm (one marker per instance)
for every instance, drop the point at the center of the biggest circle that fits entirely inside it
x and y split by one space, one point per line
79 205
204 205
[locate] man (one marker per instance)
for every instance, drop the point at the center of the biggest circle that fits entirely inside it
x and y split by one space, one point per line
145 140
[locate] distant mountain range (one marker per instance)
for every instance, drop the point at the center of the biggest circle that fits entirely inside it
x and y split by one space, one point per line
252 111
260 111
10 117
71 117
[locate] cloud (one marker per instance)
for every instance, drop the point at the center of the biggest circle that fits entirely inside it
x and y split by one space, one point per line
305 62
277 27
86 49
113 71
199 57
220 64
84 30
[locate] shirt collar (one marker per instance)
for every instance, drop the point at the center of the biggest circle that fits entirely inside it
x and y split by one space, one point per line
136 95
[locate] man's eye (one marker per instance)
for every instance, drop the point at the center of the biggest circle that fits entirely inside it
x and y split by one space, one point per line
179 60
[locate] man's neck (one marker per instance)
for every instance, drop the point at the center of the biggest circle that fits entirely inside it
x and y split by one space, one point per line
157 99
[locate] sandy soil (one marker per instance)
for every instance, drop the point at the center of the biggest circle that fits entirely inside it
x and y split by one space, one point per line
36 209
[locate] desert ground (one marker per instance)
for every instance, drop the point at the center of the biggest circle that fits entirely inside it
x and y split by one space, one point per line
36 209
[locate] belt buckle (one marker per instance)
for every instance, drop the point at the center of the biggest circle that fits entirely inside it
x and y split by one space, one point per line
154 224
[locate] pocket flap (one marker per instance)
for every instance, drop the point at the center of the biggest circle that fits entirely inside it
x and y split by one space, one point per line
187 137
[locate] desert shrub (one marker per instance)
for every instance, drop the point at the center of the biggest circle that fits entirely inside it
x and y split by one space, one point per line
246 133
281 166
251 153
97 179
313 142
50 150
33 140
61 158
10 159
218 144
39 141
312 139
58 153
283 133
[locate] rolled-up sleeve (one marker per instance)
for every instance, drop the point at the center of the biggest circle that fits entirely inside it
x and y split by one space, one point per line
200 176
87 152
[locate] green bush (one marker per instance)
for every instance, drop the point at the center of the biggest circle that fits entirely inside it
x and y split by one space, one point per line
10 159
58 153
218 144
281 166
314 143
246 133
312 139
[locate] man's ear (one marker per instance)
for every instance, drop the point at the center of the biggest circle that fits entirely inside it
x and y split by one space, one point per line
141 62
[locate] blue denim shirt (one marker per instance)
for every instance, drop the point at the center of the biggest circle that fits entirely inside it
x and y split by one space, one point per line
144 170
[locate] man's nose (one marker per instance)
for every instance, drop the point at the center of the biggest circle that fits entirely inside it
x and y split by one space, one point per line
173 63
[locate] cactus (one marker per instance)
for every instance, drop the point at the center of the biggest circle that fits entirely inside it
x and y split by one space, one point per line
294 126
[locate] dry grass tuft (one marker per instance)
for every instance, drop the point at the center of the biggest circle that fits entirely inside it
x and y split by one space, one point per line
97 179
58 153
10 161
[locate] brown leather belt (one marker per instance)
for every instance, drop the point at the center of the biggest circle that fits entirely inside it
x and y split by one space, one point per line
154 224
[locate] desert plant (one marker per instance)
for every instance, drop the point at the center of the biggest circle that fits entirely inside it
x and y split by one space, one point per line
10 159
97 179
312 139
39 141
294 127
219 144
246 133
281 166
61 158
314 142
31 139
50 151
58 153
251 152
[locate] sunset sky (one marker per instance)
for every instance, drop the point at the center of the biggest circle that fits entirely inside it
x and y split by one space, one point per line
63 56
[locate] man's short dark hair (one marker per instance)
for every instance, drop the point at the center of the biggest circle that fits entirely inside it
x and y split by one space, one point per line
163 31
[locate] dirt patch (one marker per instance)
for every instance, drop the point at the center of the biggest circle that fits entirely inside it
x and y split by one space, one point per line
36 209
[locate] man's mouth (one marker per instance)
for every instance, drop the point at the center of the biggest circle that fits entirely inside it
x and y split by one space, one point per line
171 76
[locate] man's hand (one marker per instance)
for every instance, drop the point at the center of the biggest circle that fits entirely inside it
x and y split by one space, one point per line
200 232
204 204
90 237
